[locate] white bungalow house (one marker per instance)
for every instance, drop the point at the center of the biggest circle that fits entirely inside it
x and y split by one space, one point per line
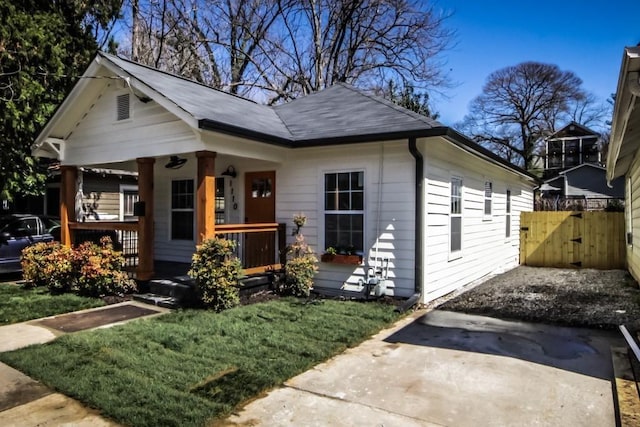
373 179
623 158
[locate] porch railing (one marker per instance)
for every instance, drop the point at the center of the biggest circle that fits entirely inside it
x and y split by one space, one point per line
260 247
123 234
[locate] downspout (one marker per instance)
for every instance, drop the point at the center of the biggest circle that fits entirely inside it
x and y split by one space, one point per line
419 228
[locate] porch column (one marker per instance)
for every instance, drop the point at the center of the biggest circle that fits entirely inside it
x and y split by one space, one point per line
206 193
68 177
145 222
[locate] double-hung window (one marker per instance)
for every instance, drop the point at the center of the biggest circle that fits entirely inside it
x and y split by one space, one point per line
488 196
220 201
182 203
455 216
344 211
508 215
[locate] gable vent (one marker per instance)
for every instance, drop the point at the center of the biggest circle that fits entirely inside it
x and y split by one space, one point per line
123 106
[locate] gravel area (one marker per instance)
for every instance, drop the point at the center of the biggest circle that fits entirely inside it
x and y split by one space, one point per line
585 297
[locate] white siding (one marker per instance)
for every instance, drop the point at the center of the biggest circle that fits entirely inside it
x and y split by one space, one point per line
632 216
179 250
485 248
151 131
300 184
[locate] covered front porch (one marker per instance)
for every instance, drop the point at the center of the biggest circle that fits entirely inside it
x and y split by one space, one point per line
181 201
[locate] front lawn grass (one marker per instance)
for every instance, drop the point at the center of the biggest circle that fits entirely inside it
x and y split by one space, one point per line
192 367
18 304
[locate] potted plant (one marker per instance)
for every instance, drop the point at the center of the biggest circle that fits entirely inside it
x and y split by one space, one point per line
341 255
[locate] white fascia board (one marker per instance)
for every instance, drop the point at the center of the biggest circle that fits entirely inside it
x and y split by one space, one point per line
623 107
138 85
77 90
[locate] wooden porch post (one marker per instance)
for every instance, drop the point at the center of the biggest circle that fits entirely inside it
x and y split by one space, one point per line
145 222
68 177
205 206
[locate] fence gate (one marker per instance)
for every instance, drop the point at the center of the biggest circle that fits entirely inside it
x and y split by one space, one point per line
573 239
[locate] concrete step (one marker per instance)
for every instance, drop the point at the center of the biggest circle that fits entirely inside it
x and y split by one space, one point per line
158 300
256 283
180 288
626 388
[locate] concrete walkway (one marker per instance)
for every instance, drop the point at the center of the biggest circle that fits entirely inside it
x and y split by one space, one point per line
449 369
25 402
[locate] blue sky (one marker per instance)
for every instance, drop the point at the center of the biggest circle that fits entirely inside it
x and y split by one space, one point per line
586 37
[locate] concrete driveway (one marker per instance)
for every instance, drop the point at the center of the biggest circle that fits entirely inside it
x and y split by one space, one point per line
450 369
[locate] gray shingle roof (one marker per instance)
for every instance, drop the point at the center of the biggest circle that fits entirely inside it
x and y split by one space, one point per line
339 111
343 110
336 115
205 103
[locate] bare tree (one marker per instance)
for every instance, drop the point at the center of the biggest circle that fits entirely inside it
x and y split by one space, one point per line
276 50
361 42
521 104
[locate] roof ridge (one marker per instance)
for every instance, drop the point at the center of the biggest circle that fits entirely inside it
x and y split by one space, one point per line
107 55
391 104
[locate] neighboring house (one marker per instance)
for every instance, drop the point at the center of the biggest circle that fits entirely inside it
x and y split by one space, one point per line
571 146
623 159
582 187
372 178
103 195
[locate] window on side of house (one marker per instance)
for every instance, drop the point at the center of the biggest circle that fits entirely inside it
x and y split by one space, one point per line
455 216
129 199
220 201
508 214
182 209
629 212
344 211
123 107
488 197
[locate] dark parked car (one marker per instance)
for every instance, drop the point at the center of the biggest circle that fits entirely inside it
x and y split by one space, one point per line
19 231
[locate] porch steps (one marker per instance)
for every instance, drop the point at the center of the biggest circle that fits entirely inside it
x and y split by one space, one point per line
172 292
180 291
626 367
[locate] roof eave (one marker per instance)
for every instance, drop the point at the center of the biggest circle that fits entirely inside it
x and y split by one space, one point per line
62 108
464 142
622 109
216 126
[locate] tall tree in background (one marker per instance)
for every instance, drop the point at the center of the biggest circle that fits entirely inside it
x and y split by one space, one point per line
521 104
44 45
406 96
276 50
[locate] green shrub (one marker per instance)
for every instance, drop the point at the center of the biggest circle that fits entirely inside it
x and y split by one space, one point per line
49 264
99 269
216 270
89 269
300 268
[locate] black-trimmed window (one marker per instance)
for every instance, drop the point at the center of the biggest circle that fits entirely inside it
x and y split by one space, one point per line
220 201
508 215
344 211
488 197
182 203
455 216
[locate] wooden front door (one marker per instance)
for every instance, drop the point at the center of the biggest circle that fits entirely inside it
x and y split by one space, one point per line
260 208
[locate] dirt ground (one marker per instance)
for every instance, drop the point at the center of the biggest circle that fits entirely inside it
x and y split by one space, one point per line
585 297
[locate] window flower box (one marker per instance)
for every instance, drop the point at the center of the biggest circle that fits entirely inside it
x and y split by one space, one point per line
341 259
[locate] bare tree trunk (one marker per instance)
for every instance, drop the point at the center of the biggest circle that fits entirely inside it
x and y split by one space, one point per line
135 29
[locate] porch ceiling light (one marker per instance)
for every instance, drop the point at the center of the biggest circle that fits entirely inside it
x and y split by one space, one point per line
175 162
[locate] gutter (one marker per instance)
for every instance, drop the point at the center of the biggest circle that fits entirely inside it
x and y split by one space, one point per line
419 228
